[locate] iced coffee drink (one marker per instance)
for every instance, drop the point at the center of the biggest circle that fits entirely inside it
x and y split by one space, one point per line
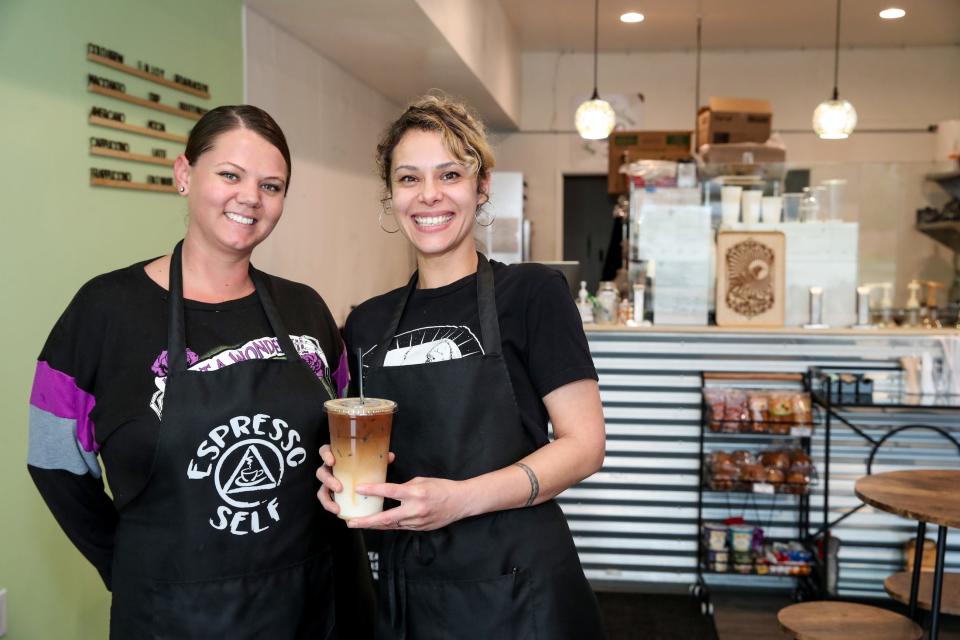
360 440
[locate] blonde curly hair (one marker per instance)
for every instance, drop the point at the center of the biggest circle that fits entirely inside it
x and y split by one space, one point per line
462 132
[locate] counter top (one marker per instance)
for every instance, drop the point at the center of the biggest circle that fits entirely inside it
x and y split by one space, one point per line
839 331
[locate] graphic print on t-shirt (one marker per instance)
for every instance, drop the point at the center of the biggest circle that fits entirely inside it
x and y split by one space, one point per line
432 344
245 458
264 348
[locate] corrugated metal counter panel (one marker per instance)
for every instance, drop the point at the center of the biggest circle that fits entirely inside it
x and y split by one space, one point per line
635 520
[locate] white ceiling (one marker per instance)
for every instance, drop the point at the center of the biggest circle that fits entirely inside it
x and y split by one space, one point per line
390 45
550 25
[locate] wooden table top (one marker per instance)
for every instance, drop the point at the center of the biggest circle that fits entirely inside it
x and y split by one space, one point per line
830 620
921 494
898 586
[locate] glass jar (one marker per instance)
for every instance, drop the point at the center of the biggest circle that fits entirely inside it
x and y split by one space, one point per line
608 301
809 207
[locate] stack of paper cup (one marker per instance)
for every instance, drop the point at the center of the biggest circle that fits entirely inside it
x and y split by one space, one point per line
730 204
751 206
770 209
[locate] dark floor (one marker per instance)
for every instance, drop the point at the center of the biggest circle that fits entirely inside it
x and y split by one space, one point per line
738 615
653 616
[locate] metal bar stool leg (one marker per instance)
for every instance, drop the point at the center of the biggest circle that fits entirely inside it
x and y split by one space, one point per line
917 563
938 582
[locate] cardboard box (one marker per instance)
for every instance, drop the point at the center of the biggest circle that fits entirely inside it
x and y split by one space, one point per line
628 146
726 120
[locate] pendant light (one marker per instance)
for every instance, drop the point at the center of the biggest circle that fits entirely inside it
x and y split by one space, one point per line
595 118
835 119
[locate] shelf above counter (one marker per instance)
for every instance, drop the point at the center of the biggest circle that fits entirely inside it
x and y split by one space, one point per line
946 232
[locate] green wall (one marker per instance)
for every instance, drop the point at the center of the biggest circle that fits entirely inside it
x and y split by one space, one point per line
57 232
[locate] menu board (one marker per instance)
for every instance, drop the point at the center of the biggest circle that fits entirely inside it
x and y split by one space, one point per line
676 239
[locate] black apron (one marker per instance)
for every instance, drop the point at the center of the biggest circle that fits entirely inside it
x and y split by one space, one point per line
227 540
511 574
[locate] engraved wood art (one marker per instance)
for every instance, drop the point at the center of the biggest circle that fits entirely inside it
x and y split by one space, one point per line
750 279
750 271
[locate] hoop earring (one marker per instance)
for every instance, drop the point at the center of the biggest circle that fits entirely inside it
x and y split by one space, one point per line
385 204
487 221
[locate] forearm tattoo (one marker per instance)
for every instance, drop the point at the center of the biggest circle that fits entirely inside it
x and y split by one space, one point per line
534 483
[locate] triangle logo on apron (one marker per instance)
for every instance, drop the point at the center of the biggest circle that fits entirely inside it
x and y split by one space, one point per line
251 474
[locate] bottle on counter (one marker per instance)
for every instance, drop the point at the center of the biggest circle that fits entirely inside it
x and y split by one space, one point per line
624 311
584 304
809 207
912 316
608 302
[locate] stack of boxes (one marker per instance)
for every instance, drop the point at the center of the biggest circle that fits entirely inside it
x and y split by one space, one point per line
629 146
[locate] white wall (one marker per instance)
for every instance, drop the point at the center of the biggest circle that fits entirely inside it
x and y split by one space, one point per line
480 33
891 88
329 236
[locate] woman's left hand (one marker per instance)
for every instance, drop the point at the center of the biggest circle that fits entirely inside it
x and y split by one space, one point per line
425 504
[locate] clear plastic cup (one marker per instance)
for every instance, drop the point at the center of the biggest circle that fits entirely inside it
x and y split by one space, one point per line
360 440
791 207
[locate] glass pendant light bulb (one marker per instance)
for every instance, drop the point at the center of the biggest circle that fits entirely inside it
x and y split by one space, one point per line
834 119
595 119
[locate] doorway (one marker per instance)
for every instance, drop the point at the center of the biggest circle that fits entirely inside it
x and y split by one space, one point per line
588 224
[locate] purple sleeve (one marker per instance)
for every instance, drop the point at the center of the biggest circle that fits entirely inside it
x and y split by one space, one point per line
341 375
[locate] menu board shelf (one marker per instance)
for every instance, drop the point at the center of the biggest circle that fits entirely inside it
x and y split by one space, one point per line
119 66
138 186
131 128
143 102
126 155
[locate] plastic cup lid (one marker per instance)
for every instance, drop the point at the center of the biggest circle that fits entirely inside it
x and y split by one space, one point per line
358 407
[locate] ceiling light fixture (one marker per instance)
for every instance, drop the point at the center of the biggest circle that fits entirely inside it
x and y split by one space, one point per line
632 16
835 119
893 13
595 118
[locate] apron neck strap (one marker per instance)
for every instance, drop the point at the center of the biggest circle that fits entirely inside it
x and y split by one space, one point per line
486 305
176 331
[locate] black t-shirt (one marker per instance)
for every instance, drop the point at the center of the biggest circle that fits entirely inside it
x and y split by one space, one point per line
541 333
103 367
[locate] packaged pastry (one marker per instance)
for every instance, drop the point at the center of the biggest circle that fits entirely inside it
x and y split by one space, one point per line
717 458
781 407
775 476
735 410
715 401
759 407
802 413
752 473
742 457
775 458
799 460
797 481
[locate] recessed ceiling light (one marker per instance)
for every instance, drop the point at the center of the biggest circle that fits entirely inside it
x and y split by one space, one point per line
892 13
632 16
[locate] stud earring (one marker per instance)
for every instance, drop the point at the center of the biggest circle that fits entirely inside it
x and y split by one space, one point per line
182 189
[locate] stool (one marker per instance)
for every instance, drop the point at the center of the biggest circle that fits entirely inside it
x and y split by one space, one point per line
827 620
898 586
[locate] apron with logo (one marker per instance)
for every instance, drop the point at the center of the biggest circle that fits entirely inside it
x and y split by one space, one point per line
509 574
227 539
